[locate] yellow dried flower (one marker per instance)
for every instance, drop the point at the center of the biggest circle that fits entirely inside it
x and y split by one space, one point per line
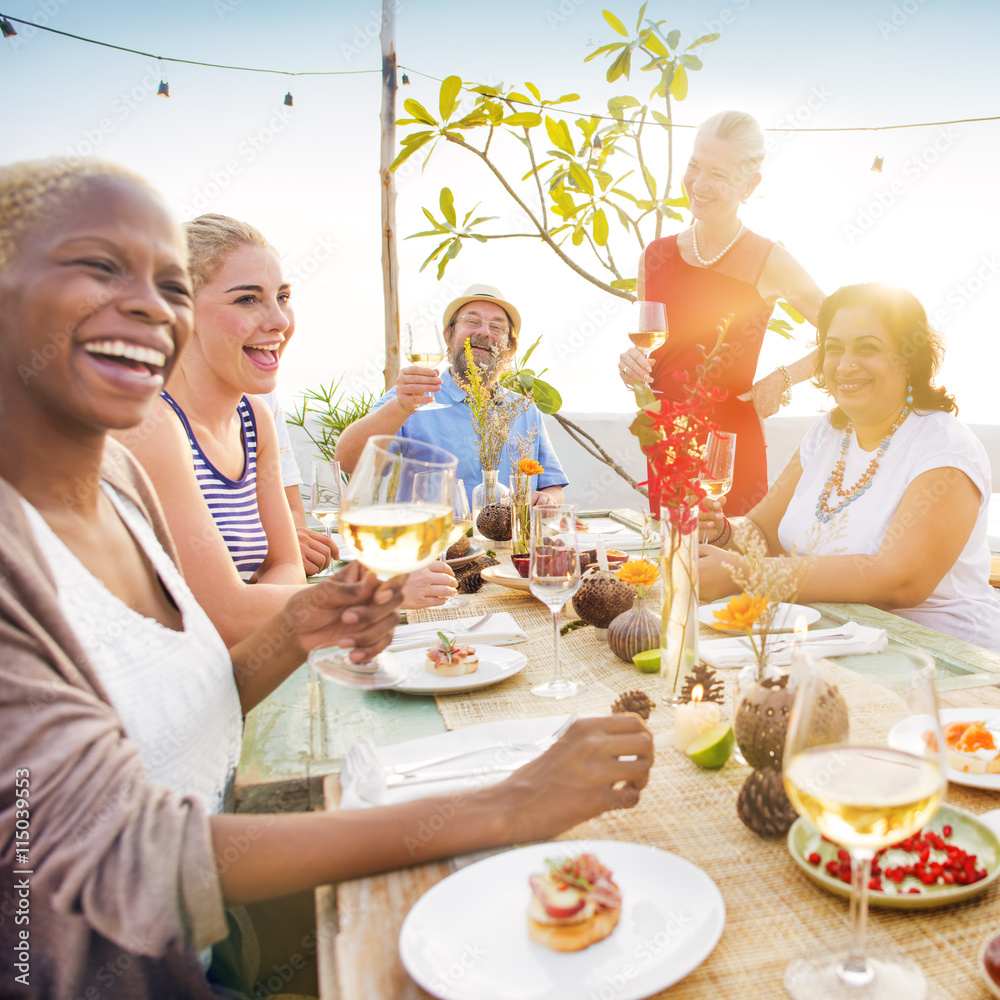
742 612
639 573
529 467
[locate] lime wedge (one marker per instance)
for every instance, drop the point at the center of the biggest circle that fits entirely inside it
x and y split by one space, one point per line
713 748
648 662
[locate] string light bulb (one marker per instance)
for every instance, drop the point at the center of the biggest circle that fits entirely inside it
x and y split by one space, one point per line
877 165
163 90
7 28
289 103
406 80
597 145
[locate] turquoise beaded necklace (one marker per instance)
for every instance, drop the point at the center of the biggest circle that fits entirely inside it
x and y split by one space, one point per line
835 481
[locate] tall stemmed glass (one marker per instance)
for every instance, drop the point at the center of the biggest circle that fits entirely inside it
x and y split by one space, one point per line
555 578
324 493
425 347
647 326
720 456
461 521
397 514
864 791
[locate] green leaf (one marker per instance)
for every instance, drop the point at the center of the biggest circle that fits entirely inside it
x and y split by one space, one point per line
625 101
603 178
529 119
566 98
518 97
558 132
644 395
534 90
434 253
621 192
673 38
792 311
581 177
679 84
692 62
419 112
528 352
545 396
434 222
447 202
642 12
448 97
703 40
408 151
538 169
485 89
600 228
655 45
625 284
610 47
650 179
623 218
621 66
577 236
615 23
662 119
780 326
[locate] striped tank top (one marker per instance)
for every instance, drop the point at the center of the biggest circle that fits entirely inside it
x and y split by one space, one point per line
232 503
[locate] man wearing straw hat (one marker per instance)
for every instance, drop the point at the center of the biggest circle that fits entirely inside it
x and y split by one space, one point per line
491 324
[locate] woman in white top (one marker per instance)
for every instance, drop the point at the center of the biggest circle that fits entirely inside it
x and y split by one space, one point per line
889 489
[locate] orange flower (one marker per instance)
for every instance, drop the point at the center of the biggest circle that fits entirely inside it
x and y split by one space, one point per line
639 572
529 467
742 612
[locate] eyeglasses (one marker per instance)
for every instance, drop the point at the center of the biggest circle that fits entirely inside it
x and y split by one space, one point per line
475 323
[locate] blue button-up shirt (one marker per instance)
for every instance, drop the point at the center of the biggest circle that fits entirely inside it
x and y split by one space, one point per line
451 429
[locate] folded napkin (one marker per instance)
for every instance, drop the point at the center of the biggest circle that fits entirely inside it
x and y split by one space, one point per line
724 654
500 630
364 773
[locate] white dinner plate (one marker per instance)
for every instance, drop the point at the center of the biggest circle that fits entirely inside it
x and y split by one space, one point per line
506 576
908 735
475 551
784 619
496 663
467 937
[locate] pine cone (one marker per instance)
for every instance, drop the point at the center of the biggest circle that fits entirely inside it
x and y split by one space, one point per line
763 805
634 701
470 578
714 688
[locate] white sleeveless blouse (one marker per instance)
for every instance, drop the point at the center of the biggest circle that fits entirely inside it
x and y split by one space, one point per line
174 691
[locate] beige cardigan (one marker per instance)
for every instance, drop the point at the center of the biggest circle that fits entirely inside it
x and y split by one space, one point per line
123 891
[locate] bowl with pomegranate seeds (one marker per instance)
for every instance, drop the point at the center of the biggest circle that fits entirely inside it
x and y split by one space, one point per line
954 857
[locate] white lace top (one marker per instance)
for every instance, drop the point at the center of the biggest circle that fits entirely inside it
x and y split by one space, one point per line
174 691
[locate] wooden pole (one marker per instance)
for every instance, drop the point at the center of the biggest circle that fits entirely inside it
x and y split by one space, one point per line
390 264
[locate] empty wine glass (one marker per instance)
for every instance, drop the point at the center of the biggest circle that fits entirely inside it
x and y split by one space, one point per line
720 457
554 579
865 787
324 493
397 513
460 524
425 347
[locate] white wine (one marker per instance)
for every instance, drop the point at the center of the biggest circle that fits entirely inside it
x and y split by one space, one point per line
867 797
717 487
397 538
458 529
648 340
327 516
425 360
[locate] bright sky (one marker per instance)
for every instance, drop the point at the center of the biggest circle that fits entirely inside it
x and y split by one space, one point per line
307 176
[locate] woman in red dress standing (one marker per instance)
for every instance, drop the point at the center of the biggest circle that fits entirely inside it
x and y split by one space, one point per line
717 267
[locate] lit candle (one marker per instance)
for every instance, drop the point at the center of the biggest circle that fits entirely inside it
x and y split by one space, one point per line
694 718
799 630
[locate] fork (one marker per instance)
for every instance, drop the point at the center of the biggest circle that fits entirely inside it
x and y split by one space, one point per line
434 627
542 743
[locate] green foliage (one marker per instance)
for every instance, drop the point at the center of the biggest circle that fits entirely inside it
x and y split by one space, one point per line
524 381
332 413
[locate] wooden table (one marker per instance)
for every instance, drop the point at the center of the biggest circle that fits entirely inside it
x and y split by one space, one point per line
359 921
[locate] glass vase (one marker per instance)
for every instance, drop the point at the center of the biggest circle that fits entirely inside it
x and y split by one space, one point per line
679 614
520 495
488 493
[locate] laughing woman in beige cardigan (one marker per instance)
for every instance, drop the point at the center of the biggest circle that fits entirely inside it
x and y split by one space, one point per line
120 706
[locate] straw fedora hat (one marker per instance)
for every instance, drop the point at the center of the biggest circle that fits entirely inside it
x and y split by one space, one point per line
484 293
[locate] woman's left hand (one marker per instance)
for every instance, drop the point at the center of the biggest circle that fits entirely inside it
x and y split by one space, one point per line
351 608
714 578
765 394
430 587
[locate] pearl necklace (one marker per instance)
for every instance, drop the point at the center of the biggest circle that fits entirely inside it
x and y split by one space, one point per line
715 260
836 478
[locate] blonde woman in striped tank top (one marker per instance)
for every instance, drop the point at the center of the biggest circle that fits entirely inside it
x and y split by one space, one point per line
210 446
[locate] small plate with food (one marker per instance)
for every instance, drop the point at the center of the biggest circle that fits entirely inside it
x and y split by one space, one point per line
972 743
447 666
784 619
563 920
506 576
471 552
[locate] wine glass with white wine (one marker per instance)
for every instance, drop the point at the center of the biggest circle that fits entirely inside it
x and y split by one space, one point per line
324 493
720 458
397 513
647 326
864 782
425 348
461 521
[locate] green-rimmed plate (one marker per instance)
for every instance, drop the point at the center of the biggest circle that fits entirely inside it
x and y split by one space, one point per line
969 833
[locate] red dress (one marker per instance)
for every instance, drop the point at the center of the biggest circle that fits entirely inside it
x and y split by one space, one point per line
696 299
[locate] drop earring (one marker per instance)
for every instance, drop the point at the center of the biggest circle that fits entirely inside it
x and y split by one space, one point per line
909 393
